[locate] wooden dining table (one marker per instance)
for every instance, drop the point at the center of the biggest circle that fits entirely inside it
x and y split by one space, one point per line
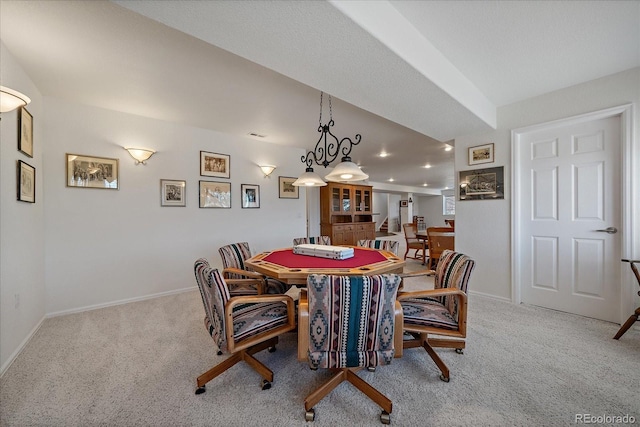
293 269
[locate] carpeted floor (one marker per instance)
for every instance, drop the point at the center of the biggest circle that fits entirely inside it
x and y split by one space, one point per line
136 364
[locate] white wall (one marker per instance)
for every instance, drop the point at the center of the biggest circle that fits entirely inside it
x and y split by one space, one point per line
430 207
483 227
105 246
21 224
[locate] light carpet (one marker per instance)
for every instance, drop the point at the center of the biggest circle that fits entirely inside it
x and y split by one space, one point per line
136 365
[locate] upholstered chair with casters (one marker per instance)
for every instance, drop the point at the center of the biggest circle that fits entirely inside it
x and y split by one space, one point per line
440 311
413 243
346 323
233 258
317 240
240 326
384 245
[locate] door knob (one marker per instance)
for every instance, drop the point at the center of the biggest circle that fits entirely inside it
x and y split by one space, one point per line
610 230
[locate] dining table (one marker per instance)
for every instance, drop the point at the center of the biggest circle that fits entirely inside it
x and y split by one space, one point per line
291 268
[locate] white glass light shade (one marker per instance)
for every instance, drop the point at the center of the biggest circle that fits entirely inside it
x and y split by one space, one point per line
267 169
309 179
141 155
346 171
11 99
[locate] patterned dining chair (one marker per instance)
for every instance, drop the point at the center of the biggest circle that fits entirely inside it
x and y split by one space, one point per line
440 311
385 245
240 326
346 323
317 240
233 258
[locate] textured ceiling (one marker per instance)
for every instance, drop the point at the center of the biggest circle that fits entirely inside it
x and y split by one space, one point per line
407 75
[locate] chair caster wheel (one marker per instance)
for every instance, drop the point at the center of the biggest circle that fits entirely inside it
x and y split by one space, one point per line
459 351
272 349
201 389
385 417
371 368
265 385
443 378
219 353
310 415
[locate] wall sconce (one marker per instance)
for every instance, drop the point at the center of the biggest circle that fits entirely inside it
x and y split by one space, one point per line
11 99
267 169
141 155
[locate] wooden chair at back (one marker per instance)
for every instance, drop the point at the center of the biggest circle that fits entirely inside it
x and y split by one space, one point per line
412 241
439 239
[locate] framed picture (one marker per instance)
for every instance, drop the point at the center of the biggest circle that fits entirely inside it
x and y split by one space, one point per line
287 189
481 184
214 164
173 192
26 182
481 154
250 195
404 203
25 132
215 194
92 172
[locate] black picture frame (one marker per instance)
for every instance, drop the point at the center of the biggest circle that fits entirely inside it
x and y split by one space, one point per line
25 132
481 184
26 180
250 196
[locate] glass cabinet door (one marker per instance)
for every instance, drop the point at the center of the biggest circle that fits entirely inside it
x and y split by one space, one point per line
362 198
336 200
346 199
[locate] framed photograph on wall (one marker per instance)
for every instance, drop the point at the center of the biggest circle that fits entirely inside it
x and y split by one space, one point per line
404 203
214 194
173 192
481 154
215 164
482 184
92 172
287 189
250 195
25 132
26 182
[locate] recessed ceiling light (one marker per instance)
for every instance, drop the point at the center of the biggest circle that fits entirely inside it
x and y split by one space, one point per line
424 185
448 148
390 179
383 154
427 166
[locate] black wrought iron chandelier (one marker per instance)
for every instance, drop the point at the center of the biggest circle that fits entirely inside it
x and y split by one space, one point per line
327 149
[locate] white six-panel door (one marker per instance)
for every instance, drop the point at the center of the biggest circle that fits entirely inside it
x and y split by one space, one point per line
570 179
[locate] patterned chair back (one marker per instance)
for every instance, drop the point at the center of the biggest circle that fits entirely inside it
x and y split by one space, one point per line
453 271
317 240
234 255
385 245
351 320
215 295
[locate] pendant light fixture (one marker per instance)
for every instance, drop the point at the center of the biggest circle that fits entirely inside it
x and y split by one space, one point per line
327 149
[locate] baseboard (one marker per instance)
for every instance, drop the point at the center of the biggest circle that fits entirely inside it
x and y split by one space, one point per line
21 347
482 294
119 302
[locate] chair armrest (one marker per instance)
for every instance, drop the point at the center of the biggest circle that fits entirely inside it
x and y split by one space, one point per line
251 278
256 299
398 335
245 273
426 272
303 326
430 293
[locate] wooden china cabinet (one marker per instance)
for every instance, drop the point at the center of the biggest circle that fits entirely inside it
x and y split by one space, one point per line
346 213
